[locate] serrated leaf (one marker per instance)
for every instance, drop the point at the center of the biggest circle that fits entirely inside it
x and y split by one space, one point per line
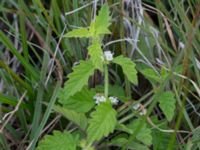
144 135
96 54
121 140
102 122
58 141
128 68
151 75
82 33
81 102
77 79
167 104
160 139
77 118
102 22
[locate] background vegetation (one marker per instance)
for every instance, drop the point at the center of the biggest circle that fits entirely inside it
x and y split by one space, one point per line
161 37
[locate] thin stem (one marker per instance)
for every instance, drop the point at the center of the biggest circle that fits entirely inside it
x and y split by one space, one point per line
106 80
127 118
87 146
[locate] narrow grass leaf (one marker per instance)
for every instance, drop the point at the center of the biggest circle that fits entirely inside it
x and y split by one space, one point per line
4 39
46 114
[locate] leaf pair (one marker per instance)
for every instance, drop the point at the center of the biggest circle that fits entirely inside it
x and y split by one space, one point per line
102 122
97 27
81 73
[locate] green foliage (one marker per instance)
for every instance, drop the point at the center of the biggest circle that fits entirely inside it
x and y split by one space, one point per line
128 68
96 55
83 144
144 135
165 54
167 104
114 90
81 102
98 27
77 118
151 75
118 91
77 79
195 138
102 122
124 128
102 22
160 139
121 140
82 33
58 141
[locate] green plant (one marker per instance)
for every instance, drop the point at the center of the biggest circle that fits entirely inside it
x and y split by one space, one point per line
77 96
158 111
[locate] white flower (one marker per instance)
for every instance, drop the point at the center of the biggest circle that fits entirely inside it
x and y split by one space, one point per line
143 112
136 106
181 45
108 55
99 98
113 100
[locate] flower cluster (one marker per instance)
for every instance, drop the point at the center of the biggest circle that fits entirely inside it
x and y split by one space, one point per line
99 98
141 108
108 55
114 100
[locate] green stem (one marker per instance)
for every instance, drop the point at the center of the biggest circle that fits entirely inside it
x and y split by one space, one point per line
87 146
106 84
127 118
